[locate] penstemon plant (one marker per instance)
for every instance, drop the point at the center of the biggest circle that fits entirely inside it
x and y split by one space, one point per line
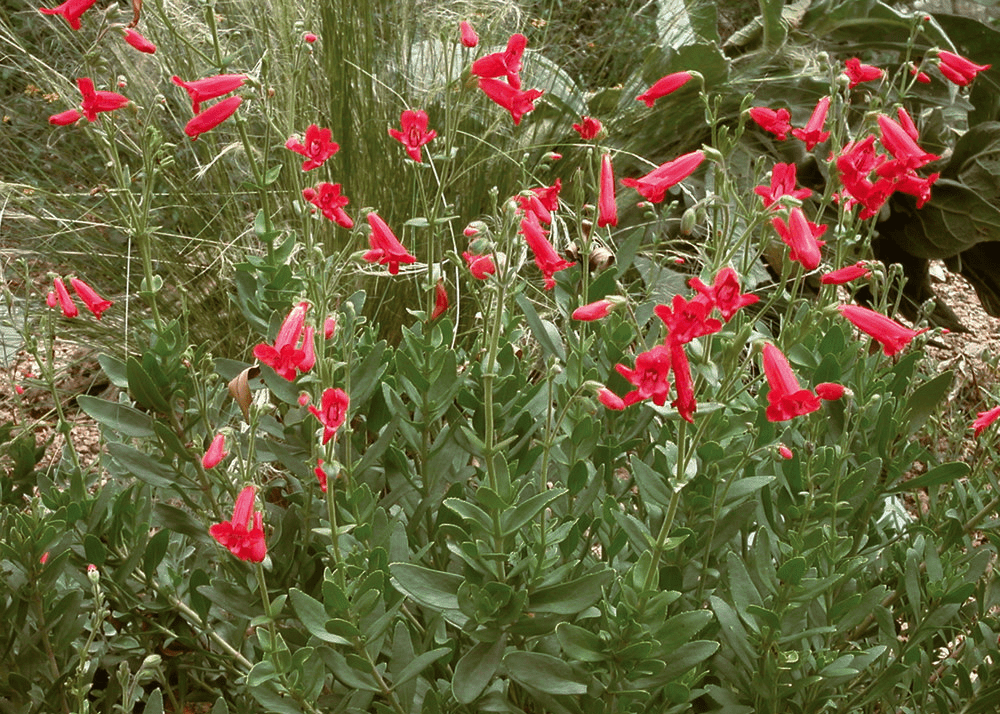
499 435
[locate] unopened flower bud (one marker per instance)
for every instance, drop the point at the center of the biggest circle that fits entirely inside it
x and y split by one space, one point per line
688 219
93 574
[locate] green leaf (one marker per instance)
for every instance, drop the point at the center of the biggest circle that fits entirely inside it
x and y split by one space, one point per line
143 466
652 485
220 707
543 672
154 703
581 644
542 330
156 548
420 663
431 588
470 512
312 614
512 519
745 486
945 473
571 597
120 417
740 585
792 570
686 657
680 628
732 631
114 368
475 670
142 388
926 398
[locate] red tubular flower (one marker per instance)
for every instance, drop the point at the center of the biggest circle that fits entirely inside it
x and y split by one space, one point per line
985 419
201 90
320 475
332 411
326 197
244 534
685 402
725 292
813 132
785 452
385 247
481 266
958 69
906 122
414 133
309 37
546 258
653 186
859 73
139 42
922 77
588 128
778 122
786 398
317 147
212 117
854 164
607 209
830 391
901 145
518 103
503 64
66 303
649 376
70 116
93 103
94 302
687 319
846 275
610 399
532 204
913 185
782 184
801 236
469 36
308 347
329 327
664 86
284 357
216 452
890 334
440 300
596 310
71 10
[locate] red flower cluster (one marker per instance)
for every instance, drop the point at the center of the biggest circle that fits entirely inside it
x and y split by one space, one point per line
776 121
588 128
414 132
244 534
59 295
72 10
293 350
782 184
506 64
94 102
858 73
332 412
317 147
326 197
203 90
958 69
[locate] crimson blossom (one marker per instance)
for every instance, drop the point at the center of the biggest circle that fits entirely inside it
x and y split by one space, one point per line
607 209
846 275
317 147
588 128
212 117
292 350
649 376
515 101
94 102
859 73
786 398
327 198
596 310
503 64
94 302
201 90
69 308
776 121
685 403
469 36
71 10
802 238
216 452
332 412
653 186
813 133
440 300
139 42
481 266
664 86
985 419
385 247
890 334
414 132
244 534
958 69
725 292
782 184
546 258
687 319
